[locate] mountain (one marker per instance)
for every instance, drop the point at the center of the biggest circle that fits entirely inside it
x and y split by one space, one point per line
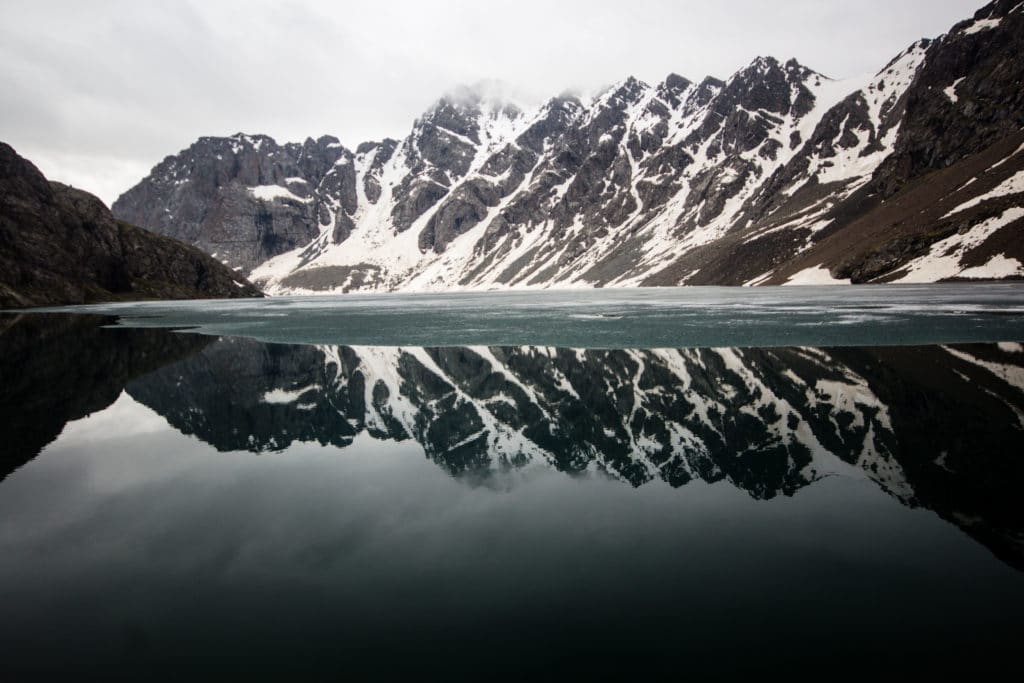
59 245
777 174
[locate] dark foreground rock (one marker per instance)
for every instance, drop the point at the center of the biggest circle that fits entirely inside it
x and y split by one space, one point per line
59 245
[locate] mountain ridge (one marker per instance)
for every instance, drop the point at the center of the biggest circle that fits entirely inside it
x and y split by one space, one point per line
713 182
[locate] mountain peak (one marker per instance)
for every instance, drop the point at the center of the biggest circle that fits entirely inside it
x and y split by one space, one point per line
676 82
763 64
626 91
999 9
712 82
672 88
252 139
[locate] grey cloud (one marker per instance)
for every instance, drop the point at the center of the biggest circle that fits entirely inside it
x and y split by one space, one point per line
96 91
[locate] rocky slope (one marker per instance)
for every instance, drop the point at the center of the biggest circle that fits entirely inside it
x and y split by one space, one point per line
777 174
59 245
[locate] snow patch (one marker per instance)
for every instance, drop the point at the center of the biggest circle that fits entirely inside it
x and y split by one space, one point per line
1011 374
997 267
981 25
282 396
1010 156
1012 185
269 193
816 275
951 91
943 259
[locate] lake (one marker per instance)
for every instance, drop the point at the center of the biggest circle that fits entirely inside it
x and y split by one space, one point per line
707 482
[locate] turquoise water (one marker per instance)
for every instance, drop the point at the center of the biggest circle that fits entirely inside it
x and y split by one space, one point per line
637 318
621 485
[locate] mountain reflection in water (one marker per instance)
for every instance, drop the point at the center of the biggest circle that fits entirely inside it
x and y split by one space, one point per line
578 512
939 427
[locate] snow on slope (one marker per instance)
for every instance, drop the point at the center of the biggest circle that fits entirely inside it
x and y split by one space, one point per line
653 170
944 259
716 182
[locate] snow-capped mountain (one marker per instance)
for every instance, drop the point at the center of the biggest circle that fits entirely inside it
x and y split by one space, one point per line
776 174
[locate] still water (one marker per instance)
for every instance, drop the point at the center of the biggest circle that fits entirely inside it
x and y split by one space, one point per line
461 487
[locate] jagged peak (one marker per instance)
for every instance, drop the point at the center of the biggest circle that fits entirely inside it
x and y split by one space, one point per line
325 140
628 90
767 68
802 71
917 46
371 145
566 100
753 74
676 82
762 64
549 120
672 87
711 82
237 142
999 9
233 144
765 65
251 138
705 91
988 17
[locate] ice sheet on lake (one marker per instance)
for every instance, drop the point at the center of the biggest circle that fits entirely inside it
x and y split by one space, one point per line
641 318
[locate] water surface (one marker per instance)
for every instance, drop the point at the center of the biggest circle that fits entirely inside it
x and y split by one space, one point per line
212 502
676 317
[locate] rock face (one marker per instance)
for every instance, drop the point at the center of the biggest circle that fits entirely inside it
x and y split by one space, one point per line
245 198
776 174
59 245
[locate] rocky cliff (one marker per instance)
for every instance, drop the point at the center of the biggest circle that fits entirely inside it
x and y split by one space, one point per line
777 174
59 245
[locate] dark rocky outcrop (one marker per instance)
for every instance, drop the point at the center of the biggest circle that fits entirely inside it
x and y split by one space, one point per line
209 196
59 245
982 61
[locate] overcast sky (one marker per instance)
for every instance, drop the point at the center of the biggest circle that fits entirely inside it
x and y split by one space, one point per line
96 93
